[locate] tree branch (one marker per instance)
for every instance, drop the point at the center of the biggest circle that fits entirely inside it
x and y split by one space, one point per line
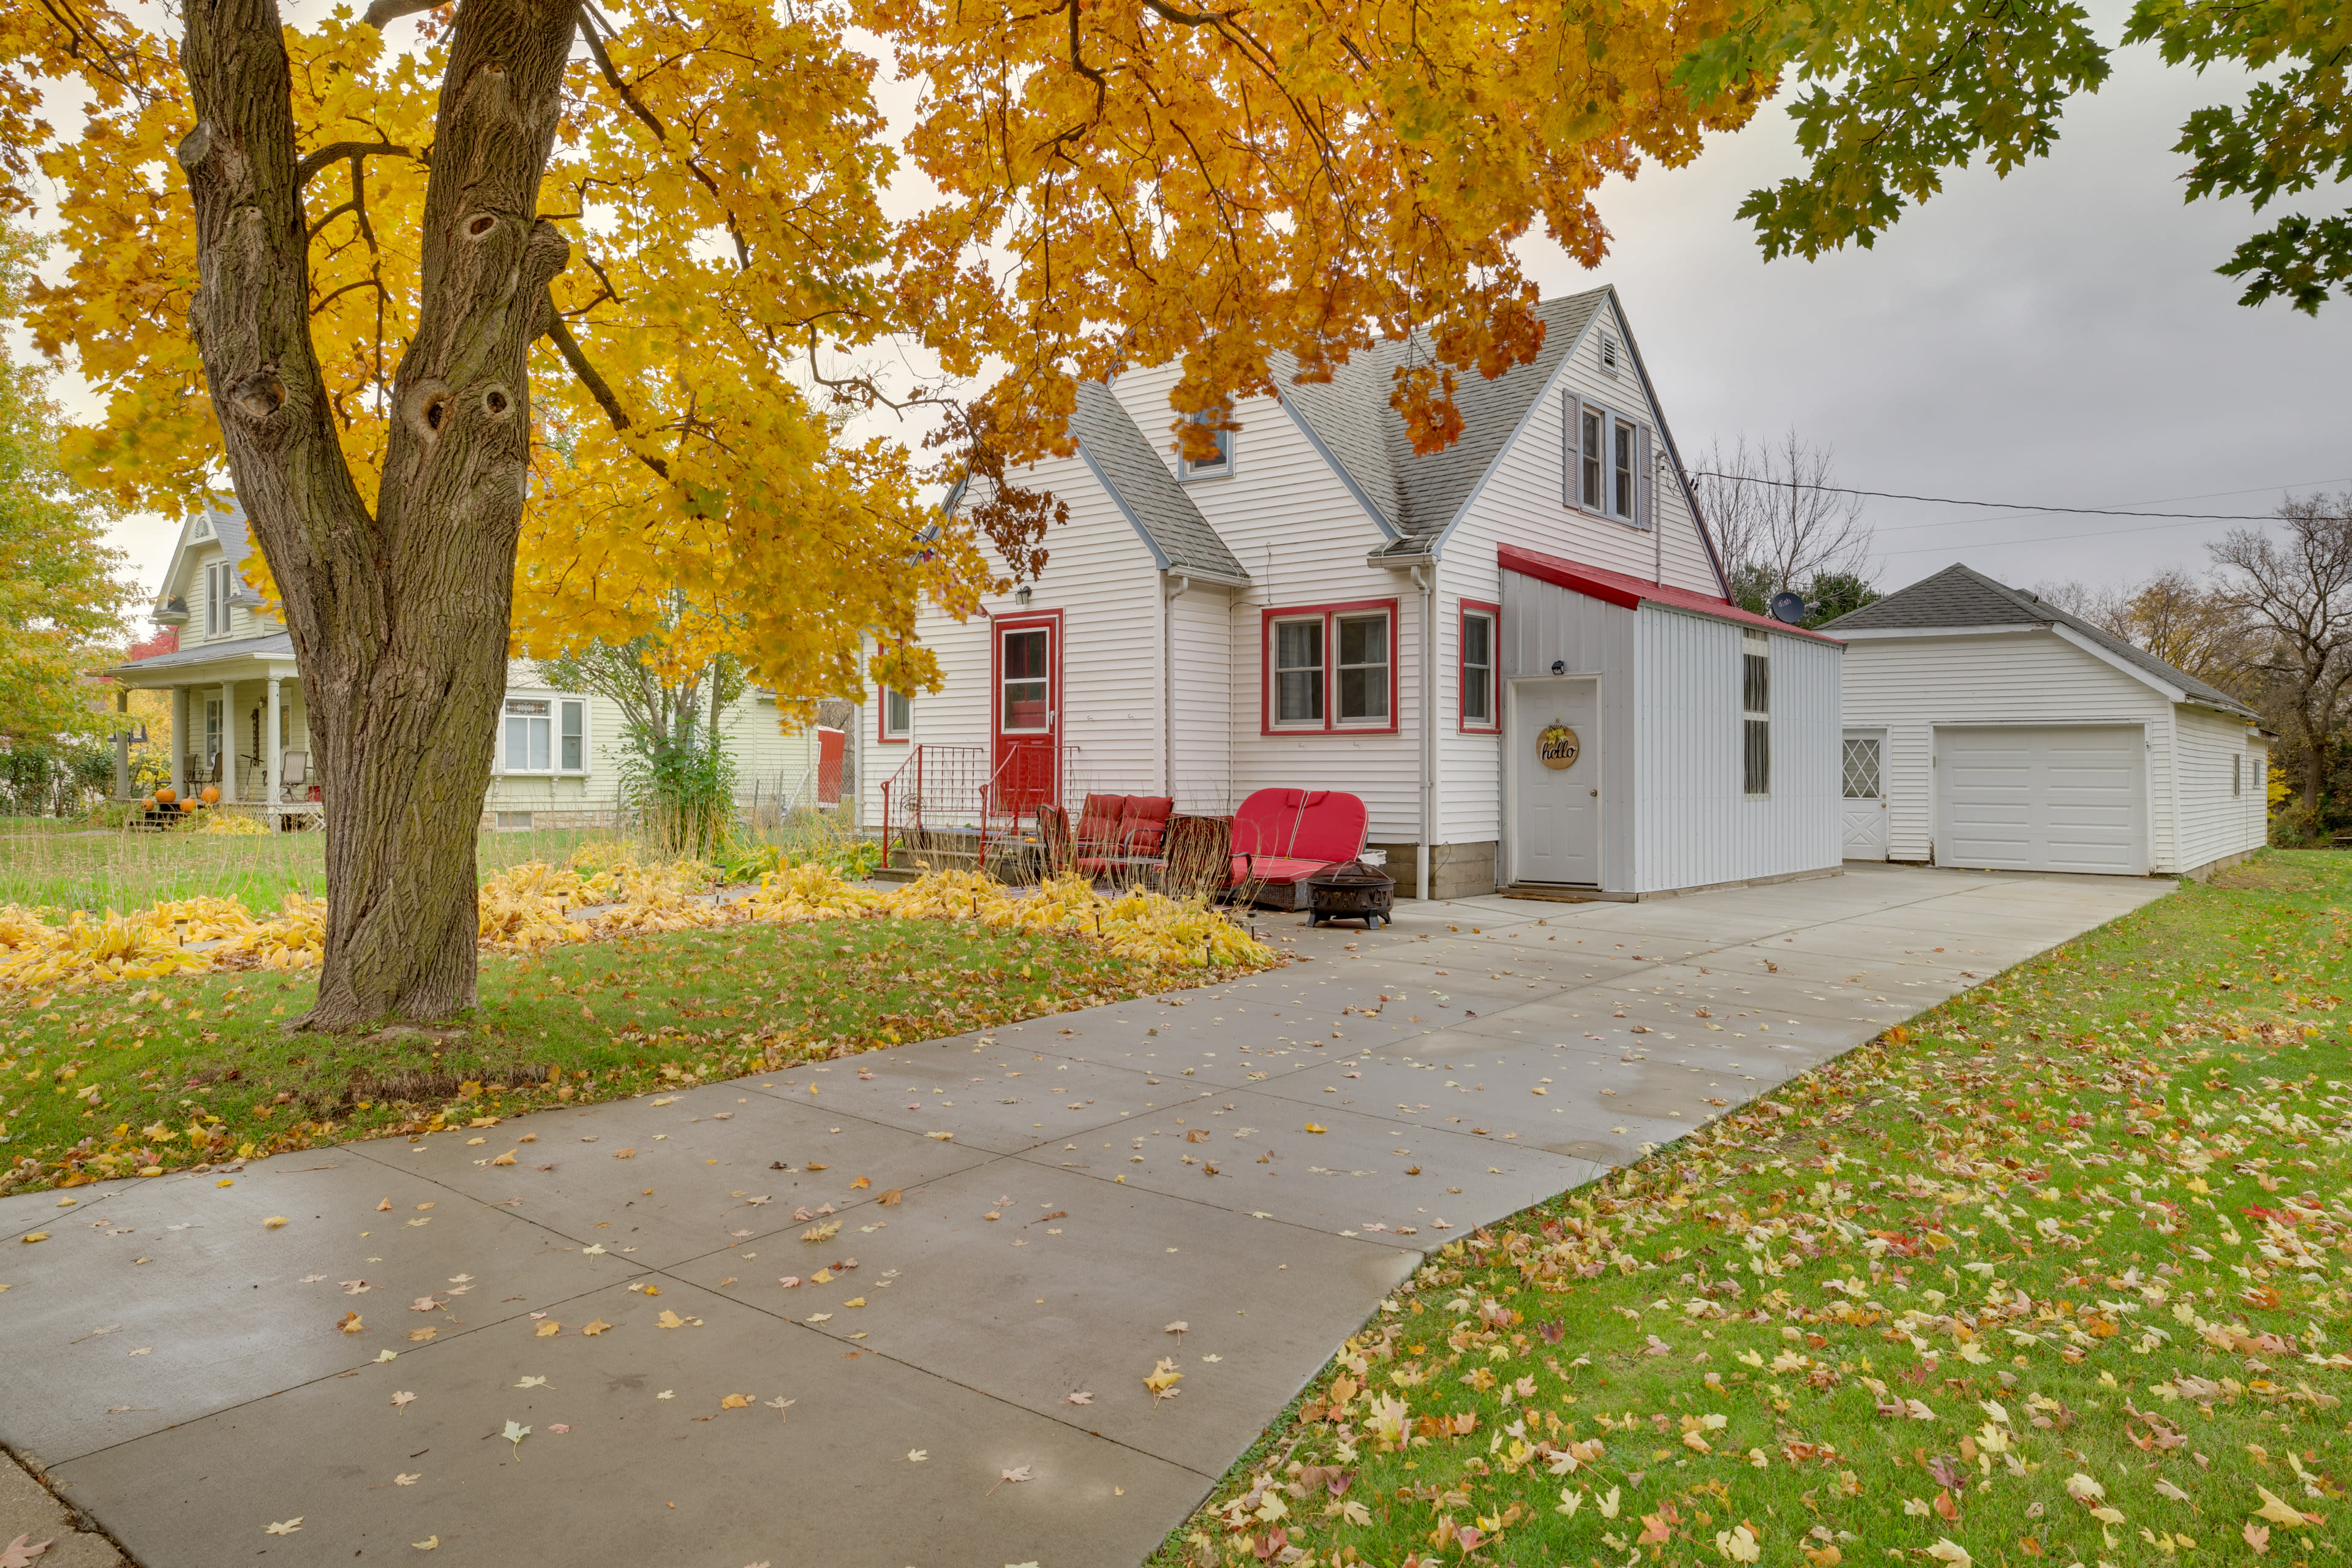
652 122
336 152
385 12
598 387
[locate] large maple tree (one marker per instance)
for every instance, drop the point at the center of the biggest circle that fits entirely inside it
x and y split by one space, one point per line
515 322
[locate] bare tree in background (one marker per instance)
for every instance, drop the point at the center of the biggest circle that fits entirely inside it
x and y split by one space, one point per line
2297 590
1778 518
2196 624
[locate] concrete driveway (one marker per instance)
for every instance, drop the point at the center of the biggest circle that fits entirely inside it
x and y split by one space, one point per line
899 1309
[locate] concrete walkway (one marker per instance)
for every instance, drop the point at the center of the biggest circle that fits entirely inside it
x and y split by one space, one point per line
819 1316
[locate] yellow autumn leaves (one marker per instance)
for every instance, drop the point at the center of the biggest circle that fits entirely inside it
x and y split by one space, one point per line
534 906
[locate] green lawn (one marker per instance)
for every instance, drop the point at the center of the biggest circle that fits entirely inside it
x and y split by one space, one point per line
59 869
118 1079
2058 1275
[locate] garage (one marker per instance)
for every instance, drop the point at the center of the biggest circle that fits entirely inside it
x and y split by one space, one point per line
2041 798
1986 729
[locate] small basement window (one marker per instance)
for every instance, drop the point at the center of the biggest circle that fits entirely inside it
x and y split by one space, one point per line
1756 712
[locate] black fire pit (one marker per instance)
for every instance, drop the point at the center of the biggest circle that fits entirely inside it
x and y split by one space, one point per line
1352 891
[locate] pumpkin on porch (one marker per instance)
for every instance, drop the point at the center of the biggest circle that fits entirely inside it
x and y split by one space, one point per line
212 794
148 804
187 805
166 796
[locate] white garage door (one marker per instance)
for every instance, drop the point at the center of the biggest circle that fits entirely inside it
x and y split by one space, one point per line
2060 798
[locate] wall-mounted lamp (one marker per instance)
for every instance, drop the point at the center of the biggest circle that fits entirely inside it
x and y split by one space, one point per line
1559 667
1021 595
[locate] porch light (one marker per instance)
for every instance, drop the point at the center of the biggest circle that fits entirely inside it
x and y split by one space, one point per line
1021 595
1559 667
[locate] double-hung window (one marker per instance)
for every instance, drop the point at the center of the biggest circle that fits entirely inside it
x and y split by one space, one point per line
1756 711
1216 466
545 735
897 715
1608 459
1331 668
1478 694
219 576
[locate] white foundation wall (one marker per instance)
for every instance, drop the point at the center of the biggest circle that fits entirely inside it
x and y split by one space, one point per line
1693 823
1906 686
1099 575
1303 540
2214 822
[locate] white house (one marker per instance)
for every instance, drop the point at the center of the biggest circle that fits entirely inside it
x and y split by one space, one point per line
1986 728
238 718
1319 608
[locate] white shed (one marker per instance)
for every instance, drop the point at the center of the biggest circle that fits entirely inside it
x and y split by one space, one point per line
1988 728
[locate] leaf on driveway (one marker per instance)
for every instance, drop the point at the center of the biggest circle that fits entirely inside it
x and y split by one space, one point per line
532 1383
736 1402
515 1433
283 1527
1081 1397
429 1544
595 1326
822 1232
351 1323
406 1480
403 1399
20 1552
273 1222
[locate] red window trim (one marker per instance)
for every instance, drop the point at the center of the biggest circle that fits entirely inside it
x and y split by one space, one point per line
882 735
1494 613
1331 725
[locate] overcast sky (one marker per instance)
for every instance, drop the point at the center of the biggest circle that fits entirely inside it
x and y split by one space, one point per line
2057 337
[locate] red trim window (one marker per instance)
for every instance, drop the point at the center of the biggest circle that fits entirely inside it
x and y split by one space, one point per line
1476 645
894 715
1330 668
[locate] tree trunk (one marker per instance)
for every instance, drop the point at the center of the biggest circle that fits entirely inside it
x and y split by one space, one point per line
399 619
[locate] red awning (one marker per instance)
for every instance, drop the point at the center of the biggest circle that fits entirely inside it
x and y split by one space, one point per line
1629 593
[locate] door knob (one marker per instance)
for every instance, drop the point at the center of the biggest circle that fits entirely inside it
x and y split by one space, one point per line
1596 794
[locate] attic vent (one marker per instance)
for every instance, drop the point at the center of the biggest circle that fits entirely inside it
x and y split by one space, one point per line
1608 354
203 529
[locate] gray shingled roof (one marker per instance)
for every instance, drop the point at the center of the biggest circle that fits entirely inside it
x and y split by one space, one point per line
1350 418
1957 596
1140 484
275 645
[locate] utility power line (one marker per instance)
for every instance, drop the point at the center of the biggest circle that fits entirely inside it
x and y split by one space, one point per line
1996 505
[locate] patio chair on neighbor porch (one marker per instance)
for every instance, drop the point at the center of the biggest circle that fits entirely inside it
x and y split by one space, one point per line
294 776
1122 834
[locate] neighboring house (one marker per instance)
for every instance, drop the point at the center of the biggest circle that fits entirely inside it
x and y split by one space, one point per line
1991 730
1319 607
238 718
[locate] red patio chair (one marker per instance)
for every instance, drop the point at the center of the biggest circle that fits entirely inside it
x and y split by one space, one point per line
1282 837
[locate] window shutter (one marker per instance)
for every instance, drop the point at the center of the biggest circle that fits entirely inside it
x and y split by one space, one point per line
1572 450
1644 480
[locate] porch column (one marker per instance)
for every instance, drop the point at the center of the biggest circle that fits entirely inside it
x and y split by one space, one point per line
228 743
180 741
122 745
270 779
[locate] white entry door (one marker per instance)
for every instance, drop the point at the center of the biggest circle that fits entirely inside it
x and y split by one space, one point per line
1556 810
2067 797
1863 816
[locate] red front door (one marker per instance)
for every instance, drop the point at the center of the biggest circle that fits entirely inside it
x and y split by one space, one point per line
1027 701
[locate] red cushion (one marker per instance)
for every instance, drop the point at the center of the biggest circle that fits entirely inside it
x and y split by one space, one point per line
1263 825
1331 826
1275 869
1099 824
1143 821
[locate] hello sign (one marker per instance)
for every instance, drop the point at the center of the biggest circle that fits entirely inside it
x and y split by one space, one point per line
1557 747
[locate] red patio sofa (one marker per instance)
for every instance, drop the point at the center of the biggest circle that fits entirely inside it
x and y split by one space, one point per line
1282 837
1120 827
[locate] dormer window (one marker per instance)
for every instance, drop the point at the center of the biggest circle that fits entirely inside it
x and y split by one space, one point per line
1214 467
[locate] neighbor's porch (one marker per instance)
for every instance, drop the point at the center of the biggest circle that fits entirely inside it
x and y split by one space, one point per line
239 725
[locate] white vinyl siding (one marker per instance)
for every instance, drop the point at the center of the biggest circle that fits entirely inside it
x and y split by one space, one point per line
1300 534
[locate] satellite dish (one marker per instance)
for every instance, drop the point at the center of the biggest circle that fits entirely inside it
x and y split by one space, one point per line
1790 607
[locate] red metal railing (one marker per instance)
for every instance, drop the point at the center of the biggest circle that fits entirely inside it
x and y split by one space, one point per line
950 801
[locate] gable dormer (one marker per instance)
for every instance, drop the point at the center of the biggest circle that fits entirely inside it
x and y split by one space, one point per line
204 592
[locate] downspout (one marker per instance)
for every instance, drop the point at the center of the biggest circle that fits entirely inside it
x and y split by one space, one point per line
1168 598
1426 578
